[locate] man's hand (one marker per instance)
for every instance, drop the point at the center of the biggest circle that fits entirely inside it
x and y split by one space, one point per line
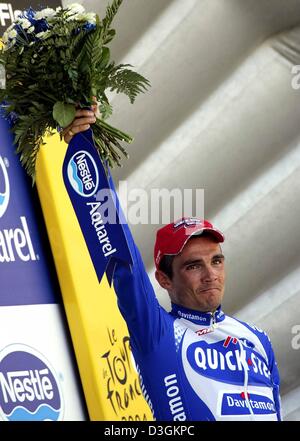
82 122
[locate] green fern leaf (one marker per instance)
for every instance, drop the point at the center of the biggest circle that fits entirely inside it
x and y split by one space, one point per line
111 11
127 81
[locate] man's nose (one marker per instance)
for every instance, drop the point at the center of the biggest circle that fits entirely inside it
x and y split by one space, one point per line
208 273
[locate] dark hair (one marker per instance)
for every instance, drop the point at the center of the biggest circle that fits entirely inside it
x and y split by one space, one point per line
166 263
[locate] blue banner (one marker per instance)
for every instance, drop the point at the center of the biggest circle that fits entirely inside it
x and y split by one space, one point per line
26 272
95 205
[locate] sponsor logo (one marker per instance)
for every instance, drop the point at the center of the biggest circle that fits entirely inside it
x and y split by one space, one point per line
4 187
83 174
234 403
217 362
29 388
15 243
189 316
188 222
204 331
101 231
228 340
175 400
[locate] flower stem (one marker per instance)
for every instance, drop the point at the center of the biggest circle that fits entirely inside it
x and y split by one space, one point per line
122 136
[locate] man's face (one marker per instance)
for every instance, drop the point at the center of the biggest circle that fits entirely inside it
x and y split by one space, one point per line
198 275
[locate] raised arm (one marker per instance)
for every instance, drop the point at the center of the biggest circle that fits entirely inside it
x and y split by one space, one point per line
136 298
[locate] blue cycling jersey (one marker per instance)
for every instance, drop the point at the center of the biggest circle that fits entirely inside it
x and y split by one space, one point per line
195 366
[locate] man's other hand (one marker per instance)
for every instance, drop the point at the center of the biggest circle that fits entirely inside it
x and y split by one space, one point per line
82 122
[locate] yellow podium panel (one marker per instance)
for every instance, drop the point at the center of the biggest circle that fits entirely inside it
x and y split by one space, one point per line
99 333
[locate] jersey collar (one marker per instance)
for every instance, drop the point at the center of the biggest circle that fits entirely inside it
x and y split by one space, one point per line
198 317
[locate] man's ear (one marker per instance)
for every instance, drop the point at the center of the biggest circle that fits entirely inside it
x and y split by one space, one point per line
163 280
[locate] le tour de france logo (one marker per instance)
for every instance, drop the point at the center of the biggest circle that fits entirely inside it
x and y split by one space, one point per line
83 174
29 387
4 187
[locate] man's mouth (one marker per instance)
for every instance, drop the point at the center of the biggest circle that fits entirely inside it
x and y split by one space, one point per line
210 288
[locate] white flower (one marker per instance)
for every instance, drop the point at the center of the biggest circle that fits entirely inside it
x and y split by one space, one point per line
75 8
89 17
30 30
43 35
12 34
24 23
45 13
58 9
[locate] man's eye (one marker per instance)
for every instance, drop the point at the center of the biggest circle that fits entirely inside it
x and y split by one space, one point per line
191 267
217 262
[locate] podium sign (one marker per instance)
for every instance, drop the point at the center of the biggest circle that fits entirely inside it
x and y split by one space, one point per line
37 376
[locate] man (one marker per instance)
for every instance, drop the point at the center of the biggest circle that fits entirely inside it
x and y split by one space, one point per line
195 363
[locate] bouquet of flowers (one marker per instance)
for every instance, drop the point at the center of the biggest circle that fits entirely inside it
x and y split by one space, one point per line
55 62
